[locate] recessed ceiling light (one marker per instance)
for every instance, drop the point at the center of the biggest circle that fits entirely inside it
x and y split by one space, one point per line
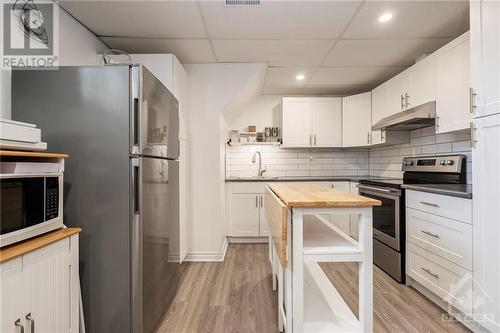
385 17
300 77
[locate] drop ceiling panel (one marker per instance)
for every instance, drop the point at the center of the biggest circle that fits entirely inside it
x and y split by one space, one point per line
395 52
280 76
186 50
167 19
411 19
278 19
276 52
349 76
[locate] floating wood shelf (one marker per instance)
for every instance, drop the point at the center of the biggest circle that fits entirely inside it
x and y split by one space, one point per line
230 143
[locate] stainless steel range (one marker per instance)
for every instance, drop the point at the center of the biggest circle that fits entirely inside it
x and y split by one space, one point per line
389 218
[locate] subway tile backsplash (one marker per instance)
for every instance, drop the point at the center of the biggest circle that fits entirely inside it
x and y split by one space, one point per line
297 162
386 160
382 161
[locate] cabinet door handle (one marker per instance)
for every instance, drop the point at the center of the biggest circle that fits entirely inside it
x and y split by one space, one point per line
473 138
402 99
368 138
32 322
310 139
428 271
382 137
437 122
430 233
472 98
407 98
429 204
18 324
256 201
262 201
315 139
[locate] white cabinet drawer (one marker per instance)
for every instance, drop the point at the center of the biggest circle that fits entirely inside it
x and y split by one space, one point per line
448 281
447 238
459 209
248 187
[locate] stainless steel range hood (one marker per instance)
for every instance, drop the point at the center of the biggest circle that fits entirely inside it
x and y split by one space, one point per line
418 117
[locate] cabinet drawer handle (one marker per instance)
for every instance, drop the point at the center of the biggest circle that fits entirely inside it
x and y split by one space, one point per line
430 233
32 322
261 201
428 271
429 204
257 201
18 324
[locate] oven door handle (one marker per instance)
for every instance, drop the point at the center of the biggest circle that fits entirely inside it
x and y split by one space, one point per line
375 189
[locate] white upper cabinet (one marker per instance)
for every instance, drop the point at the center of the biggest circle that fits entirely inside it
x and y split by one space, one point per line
312 122
485 55
357 122
398 91
423 82
297 121
453 109
327 118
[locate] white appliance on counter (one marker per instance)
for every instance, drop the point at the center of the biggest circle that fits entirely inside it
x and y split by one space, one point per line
20 136
31 205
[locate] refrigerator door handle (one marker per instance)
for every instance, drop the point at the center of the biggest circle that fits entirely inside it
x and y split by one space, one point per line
135 186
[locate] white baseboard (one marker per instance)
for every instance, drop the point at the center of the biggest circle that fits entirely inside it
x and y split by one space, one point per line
247 240
208 256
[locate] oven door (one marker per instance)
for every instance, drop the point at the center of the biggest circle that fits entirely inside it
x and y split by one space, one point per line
386 218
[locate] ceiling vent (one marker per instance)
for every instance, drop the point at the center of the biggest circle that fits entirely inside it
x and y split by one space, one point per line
243 2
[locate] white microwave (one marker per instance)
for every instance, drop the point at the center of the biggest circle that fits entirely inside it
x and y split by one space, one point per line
30 205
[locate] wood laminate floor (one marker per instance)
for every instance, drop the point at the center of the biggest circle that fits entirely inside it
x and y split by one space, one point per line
236 296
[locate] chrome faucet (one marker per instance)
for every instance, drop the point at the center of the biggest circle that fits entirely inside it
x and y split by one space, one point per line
260 171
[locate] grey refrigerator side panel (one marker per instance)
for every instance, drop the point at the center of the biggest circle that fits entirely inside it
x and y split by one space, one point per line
159 116
84 111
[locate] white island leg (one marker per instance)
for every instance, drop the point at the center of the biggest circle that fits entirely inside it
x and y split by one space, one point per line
366 271
297 271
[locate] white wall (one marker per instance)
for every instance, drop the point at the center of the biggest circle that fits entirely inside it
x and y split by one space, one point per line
262 112
77 46
211 88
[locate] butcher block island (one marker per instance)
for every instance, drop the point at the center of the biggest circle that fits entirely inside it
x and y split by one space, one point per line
301 237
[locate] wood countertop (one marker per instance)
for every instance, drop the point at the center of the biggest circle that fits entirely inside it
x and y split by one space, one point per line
316 195
21 248
18 153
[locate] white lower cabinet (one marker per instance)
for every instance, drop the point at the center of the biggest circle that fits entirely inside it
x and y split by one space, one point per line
38 290
11 300
486 223
439 247
245 215
246 210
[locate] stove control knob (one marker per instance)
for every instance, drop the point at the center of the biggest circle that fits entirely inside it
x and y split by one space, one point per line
408 162
449 162
442 162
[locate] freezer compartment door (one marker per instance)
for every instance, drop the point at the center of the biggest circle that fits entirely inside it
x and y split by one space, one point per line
155 116
156 238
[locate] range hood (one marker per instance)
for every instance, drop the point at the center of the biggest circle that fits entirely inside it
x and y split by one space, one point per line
418 117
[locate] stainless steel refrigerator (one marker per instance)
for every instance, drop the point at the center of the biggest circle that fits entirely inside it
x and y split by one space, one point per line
120 125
